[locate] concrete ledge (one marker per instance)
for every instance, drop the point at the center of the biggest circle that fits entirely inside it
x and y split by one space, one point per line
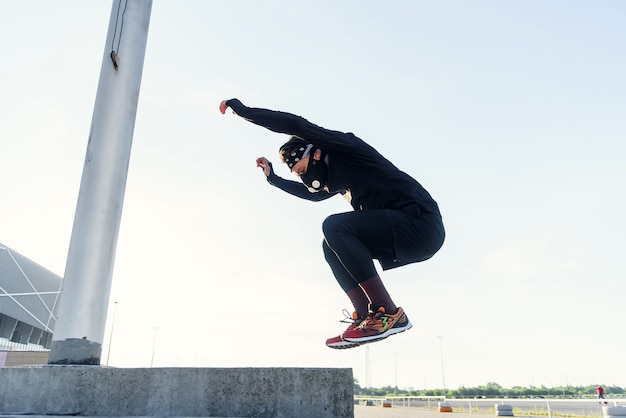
192 392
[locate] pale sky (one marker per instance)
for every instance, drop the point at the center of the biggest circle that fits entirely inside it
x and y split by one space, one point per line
510 113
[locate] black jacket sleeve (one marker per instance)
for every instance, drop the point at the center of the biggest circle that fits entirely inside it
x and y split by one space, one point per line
287 123
297 189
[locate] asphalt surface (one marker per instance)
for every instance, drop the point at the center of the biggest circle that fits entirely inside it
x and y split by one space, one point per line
398 411
377 411
360 411
524 408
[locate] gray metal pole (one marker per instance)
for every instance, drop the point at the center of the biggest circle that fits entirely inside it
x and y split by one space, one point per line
82 310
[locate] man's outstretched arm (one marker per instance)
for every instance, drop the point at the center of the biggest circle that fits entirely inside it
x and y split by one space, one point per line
292 187
287 123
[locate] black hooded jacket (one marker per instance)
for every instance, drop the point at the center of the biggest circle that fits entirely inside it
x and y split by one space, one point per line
354 168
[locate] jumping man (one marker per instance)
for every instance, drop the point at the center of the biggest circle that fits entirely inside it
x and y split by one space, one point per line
394 221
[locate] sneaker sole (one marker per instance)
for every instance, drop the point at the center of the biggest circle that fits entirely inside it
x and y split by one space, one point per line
350 344
388 333
344 345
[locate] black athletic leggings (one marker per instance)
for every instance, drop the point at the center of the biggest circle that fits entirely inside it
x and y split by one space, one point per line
352 240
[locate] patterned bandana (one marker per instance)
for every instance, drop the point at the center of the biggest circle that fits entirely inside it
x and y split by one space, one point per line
296 155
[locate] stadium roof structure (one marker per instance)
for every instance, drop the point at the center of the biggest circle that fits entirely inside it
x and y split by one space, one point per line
28 297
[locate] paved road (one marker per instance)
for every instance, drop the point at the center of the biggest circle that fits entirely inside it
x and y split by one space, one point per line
482 409
486 408
362 411
583 407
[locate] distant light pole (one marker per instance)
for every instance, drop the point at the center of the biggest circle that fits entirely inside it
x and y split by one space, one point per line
443 374
153 345
395 368
111 336
367 366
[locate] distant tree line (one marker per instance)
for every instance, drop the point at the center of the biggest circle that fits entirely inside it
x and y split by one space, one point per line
494 390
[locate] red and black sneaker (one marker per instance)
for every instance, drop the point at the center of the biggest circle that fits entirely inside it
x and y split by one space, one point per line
339 343
378 325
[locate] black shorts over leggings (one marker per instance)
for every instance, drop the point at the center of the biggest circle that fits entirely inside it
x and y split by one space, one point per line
352 240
